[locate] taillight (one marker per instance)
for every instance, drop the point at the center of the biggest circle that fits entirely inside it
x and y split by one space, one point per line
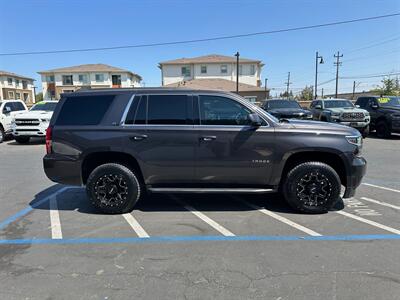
49 136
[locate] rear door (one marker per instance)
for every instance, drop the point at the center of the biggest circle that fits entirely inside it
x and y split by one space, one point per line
161 137
231 152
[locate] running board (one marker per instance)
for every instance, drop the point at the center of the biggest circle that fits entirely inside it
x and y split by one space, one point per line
211 190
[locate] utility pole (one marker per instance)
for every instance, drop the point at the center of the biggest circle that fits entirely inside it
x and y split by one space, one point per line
287 85
322 93
337 64
266 90
354 89
237 72
316 72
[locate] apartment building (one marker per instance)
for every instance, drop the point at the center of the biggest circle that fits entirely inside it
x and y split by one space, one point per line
16 87
70 79
215 72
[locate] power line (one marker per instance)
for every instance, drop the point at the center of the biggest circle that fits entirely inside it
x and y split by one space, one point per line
203 39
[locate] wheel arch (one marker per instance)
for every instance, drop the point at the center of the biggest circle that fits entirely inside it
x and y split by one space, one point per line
95 159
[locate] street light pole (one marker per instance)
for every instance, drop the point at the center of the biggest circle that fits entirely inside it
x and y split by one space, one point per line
266 93
237 72
316 73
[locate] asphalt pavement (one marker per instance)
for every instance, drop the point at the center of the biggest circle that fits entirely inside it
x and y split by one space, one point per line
54 245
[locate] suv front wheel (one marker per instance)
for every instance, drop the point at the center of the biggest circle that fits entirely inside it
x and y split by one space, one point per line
113 188
312 187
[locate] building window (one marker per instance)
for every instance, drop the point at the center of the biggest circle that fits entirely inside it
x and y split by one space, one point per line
68 91
99 77
252 70
185 71
10 81
50 78
67 79
83 78
18 96
17 82
203 70
10 95
26 97
224 69
252 99
24 84
240 69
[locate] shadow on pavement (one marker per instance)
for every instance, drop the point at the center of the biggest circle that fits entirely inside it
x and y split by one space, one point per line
75 199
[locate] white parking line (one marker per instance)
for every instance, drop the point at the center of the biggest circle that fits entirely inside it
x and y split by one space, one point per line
203 217
380 203
278 217
135 225
379 225
381 187
56 232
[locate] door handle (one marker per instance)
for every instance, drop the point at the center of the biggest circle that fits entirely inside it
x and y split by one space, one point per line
139 137
208 138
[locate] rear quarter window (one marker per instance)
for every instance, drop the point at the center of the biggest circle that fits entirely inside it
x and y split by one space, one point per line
84 110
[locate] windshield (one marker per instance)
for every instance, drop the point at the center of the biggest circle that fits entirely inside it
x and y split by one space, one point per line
338 103
389 101
46 106
282 104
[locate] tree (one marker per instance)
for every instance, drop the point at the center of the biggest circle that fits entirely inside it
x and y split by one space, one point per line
390 87
285 94
306 94
39 97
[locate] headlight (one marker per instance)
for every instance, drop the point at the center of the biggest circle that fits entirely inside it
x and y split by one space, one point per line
355 140
335 114
12 121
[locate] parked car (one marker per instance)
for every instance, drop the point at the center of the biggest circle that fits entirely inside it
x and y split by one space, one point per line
34 122
8 109
124 143
286 109
341 111
384 112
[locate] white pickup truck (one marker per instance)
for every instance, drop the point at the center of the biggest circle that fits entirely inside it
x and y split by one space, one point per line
34 122
9 109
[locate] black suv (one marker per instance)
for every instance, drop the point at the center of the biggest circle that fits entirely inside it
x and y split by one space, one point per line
385 113
286 109
126 142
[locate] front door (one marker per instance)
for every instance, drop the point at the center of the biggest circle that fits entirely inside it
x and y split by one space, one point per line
116 81
162 138
231 152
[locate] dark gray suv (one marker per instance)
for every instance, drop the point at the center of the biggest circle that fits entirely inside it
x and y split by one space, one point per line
123 143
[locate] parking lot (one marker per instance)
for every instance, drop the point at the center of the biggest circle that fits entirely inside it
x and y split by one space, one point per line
53 244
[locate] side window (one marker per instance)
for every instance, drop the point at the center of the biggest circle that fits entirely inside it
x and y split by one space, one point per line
130 117
141 112
312 104
362 102
84 110
216 110
8 107
168 109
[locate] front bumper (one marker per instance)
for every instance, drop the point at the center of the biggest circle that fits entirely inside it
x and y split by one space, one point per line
355 124
31 131
355 174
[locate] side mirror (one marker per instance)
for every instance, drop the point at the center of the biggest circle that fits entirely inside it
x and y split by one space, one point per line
358 106
255 120
318 106
374 106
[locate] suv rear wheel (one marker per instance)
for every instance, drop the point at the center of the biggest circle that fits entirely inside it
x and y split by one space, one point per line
113 188
382 129
312 187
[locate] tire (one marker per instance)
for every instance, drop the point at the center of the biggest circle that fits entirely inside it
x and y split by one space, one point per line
305 181
365 131
2 134
113 188
382 129
22 139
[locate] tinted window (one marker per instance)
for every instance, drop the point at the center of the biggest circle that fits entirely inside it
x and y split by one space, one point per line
140 116
84 110
215 110
168 109
8 107
283 104
362 102
338 103
44 106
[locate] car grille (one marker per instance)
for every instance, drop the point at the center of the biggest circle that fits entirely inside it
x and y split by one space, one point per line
27 122
352 116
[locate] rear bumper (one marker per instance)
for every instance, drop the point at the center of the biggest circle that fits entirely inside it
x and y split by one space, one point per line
355 174
62 169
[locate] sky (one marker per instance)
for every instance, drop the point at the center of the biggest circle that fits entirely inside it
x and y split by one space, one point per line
369 48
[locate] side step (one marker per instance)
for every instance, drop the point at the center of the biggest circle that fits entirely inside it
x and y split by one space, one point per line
211 190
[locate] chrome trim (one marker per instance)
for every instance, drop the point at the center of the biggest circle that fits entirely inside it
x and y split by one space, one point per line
210 190
128 106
